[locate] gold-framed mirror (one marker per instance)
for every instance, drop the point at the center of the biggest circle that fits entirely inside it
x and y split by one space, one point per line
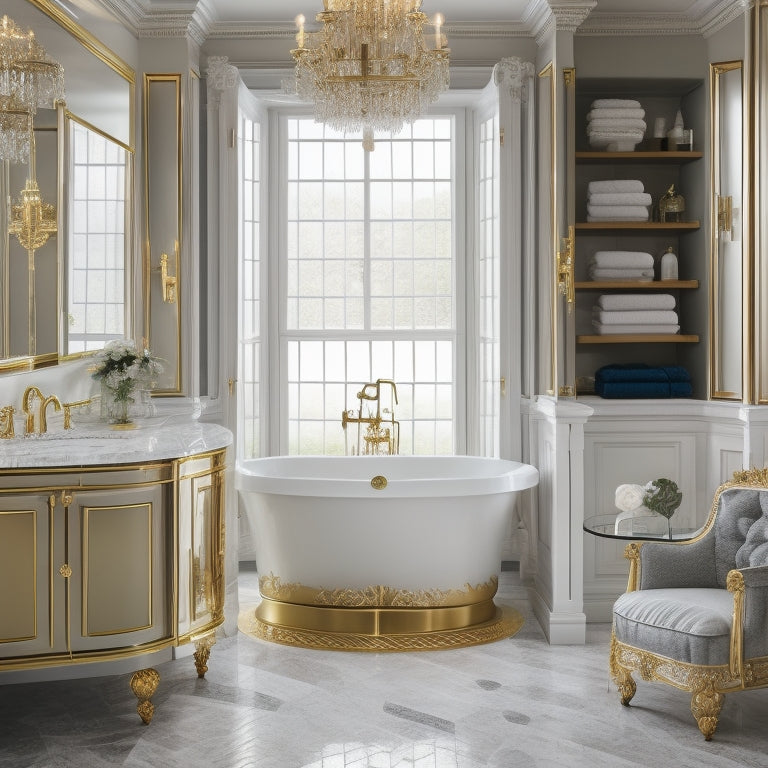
727 318
99 91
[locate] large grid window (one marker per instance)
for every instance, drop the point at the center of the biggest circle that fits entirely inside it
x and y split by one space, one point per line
368 282
97 274
249 225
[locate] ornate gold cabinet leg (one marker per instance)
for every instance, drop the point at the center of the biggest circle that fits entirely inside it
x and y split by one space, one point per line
202 653
706 704
620 675
144 684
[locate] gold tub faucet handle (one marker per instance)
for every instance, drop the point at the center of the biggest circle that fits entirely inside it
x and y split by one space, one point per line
6 422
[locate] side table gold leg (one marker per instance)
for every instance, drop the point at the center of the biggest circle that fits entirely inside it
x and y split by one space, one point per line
203 645
144 684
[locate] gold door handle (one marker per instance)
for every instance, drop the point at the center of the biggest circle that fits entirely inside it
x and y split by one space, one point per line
231 382
565 260
503 386
725 214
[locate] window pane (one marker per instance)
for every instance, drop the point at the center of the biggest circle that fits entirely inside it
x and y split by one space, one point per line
369 258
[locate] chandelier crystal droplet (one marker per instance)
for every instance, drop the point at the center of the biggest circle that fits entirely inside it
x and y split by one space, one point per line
370 68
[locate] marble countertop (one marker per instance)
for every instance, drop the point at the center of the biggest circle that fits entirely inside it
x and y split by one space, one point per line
155 438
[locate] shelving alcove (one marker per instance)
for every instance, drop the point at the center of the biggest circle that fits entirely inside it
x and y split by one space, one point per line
658 170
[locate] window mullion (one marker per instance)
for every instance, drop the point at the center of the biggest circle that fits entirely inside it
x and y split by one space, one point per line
367 241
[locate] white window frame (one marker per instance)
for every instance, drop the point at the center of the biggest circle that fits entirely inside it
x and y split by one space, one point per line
276 367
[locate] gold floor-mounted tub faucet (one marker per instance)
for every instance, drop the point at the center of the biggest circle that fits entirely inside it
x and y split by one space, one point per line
382 431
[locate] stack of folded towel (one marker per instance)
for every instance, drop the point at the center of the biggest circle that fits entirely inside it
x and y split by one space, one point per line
635 313
641 380
617 200
621 265
616 125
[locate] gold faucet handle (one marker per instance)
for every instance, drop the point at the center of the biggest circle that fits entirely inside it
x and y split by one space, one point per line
6 422
68 411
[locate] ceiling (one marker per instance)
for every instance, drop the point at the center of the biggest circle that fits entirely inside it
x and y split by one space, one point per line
461 11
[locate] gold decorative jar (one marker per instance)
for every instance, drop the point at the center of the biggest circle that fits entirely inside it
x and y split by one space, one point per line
671 206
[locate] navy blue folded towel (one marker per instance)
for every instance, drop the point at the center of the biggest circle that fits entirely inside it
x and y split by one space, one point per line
640 380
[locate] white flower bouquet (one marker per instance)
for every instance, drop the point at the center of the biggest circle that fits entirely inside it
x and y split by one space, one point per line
122 368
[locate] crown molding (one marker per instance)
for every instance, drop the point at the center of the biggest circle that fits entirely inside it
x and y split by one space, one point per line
711 17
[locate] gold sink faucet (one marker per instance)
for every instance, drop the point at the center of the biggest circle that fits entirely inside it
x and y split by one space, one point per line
32 395
50 400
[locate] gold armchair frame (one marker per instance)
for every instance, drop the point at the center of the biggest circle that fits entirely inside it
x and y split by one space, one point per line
707 684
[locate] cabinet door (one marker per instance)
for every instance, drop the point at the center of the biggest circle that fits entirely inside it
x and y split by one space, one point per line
201 544
116 542
32 591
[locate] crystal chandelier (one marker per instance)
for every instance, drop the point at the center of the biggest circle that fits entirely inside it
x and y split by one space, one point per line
29 79
370 67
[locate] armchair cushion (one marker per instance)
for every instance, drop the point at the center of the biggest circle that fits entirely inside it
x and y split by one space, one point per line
691 625
739 509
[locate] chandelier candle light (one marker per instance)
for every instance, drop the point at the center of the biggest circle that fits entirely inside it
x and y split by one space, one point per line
370 68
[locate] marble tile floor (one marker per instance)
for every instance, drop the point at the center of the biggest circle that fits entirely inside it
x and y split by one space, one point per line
516 702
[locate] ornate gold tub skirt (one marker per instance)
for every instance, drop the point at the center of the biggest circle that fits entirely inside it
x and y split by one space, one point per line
379 628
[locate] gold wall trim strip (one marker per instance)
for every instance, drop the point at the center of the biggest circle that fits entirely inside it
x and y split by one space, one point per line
376 596
503 622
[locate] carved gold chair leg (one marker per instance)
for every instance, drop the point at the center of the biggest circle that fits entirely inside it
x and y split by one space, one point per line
621 676
203 645
706 704
144 684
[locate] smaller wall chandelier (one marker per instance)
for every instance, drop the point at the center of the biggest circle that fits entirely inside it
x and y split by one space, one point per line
29 79
370 67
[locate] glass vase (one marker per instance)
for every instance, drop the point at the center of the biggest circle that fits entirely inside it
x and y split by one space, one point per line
115 411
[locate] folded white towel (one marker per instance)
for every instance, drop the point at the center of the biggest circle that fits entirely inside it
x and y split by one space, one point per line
635 316
626 301
620 198
600 273
621 260
602 329
620 146
617 212
610 124
622 112
616 104
615 185
598 219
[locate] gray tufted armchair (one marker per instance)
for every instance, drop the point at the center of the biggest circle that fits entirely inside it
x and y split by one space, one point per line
695 613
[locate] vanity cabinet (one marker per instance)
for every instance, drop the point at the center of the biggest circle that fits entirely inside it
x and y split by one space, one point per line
90 564
658 170
117 563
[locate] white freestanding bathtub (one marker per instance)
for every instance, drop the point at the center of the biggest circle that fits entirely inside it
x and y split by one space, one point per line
380 552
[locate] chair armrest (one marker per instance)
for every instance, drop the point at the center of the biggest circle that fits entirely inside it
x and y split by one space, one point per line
676 564
750 586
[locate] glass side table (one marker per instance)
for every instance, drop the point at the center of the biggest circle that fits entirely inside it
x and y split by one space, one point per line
651 527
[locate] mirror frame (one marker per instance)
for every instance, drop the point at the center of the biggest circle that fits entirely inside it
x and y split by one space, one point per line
162 252
107 56
717 391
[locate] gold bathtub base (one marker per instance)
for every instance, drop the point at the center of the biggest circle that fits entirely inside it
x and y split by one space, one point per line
379 629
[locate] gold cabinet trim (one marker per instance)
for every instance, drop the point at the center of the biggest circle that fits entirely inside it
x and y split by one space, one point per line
85 571
32 512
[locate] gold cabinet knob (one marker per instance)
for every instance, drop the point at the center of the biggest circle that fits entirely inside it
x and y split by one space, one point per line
65 570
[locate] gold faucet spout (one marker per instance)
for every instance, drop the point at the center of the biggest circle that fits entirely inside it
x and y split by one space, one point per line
30 393
50 400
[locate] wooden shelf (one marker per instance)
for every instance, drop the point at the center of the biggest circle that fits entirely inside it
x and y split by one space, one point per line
647 285
648 226
638 338
639 157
